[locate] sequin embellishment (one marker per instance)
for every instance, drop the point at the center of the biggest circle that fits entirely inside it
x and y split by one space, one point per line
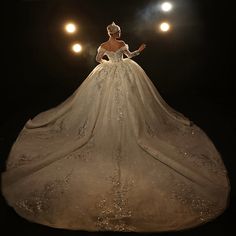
150 131
185 194
118 100
39 202
84 152
21 159
202 160
115 212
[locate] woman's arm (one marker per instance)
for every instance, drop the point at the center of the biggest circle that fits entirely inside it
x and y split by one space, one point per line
134 53
100 53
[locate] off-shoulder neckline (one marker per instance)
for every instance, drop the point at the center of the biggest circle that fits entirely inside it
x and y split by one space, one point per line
113 51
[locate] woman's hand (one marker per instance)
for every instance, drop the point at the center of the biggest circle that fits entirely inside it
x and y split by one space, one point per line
141 48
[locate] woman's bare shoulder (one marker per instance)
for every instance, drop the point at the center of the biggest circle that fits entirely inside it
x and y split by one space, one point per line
107 43
122 42
104 45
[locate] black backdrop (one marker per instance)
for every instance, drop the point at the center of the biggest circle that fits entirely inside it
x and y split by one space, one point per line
190 66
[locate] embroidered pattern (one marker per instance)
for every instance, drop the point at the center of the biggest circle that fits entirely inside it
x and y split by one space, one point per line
115 212
185 194
202 160
40 202
83 153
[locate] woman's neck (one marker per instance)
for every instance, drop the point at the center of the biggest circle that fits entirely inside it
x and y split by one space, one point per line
112 39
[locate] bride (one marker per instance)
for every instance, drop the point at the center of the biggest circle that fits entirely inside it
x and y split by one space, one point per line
115 156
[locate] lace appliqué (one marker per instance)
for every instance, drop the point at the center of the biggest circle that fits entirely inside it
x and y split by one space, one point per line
151 132
114 209
59 128
205 208
20 160
82 130
84 152
38 203
100 53
130 54
59 125
25 158
202 160
101 78
118 101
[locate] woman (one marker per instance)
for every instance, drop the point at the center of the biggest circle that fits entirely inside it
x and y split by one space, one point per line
113 45
115 156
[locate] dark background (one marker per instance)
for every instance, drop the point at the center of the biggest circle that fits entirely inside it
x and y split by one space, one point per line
190 66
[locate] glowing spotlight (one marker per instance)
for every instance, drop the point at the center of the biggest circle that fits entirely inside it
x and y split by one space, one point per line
77 48
164 26
166 6
70 28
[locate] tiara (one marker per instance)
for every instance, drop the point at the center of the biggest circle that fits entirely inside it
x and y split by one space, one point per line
113 28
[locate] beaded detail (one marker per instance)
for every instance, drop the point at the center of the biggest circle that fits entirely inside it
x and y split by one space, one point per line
83 153
20 160
202 160
39 202
149 130
115 212
118 101
200 205
82 129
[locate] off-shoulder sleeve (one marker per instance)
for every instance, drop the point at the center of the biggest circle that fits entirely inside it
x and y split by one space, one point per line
100 53
128 53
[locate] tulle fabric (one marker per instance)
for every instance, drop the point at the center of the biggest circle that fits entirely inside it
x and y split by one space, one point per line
115 156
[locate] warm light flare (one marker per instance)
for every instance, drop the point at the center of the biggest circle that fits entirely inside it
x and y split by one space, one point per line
77 48
70 28
164 27
166 6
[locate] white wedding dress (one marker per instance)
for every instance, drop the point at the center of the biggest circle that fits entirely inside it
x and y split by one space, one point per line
115 156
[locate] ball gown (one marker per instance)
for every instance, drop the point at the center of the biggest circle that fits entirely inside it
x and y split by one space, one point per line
114 156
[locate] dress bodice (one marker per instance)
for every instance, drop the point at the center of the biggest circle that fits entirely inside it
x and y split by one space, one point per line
115 56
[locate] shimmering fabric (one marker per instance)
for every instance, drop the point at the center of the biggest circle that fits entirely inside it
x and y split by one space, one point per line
115 156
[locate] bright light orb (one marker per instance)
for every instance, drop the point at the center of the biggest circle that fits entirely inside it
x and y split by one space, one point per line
164 26
166 6
77 48
70 28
